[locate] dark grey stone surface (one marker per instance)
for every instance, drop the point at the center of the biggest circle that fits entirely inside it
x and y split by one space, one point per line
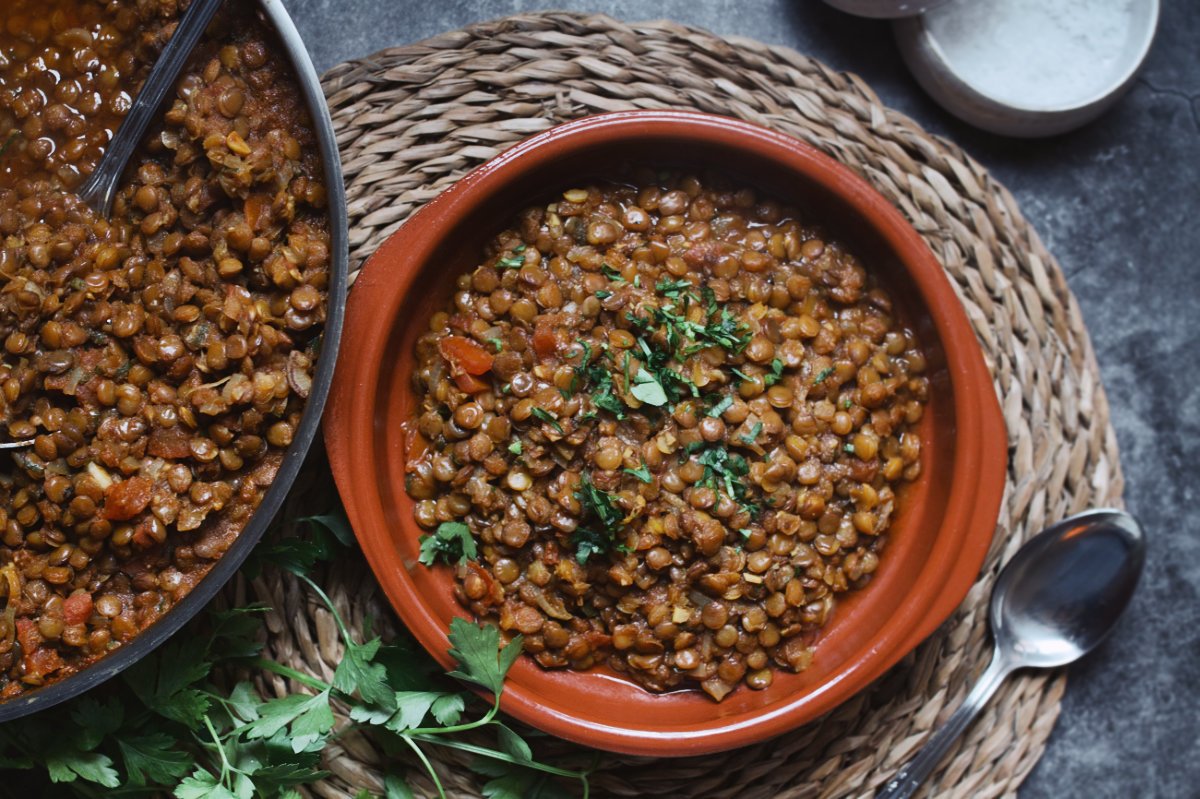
1118 204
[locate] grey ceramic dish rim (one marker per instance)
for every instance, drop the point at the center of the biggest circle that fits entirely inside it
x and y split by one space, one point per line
875 9
109 666
927 61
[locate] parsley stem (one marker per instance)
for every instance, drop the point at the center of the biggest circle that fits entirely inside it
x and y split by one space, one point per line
226 767
492 754
470 725
337 617
292 674
437 783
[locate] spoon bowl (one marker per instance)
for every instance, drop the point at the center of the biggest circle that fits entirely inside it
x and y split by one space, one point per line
1056 600
1061 595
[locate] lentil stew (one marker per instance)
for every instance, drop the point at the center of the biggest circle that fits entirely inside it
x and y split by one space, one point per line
161 359
661 427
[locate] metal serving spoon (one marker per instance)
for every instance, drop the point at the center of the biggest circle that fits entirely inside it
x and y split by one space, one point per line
100 187
1054 602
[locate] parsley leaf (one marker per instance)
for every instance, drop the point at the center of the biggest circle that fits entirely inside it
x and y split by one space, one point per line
544 415
603 294
722 406
642 473
203 785
821 375
612 274
396 788
452 542
335 523
356 672
588 542
601 506
752 436
514 261
673 288
65 766
164 683
515 446
153 758
772 377
513 744
480 658
306 717
647 389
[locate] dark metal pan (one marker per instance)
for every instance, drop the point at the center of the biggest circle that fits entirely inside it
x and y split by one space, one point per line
112 664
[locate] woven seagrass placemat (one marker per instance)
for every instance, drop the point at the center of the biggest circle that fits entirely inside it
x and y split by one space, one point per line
411 120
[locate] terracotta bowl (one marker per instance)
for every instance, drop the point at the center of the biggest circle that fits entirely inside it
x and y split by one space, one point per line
944 522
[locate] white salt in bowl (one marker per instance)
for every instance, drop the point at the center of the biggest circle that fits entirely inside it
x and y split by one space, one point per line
1028 68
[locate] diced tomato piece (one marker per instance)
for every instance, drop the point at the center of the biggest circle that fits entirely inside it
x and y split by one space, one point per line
545 341
28 635
41 662
415 445
169 442
465 355
469 383
77 608
126 499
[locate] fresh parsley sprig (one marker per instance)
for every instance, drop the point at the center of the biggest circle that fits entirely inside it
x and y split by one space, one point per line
174 725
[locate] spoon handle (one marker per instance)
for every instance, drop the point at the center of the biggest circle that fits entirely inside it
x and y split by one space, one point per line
100 187
909 778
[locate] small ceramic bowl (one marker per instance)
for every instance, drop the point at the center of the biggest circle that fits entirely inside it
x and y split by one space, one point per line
942 528
944 72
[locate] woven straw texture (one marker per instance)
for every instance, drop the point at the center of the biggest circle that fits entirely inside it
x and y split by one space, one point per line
412 120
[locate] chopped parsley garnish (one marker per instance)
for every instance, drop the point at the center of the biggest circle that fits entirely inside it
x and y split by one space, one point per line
848 448
612 274
752 436
599 507
544 415
452 542
746 532
722 406
515 447
824 373
847 403
772 377
603 294
673 288
642 473
647 389
603 394
745 377
726 332
724 471
514 261
497 343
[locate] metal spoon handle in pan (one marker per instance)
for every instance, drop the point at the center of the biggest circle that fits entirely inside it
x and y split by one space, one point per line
100 187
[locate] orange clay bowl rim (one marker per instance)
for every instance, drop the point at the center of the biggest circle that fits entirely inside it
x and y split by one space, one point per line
942 528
